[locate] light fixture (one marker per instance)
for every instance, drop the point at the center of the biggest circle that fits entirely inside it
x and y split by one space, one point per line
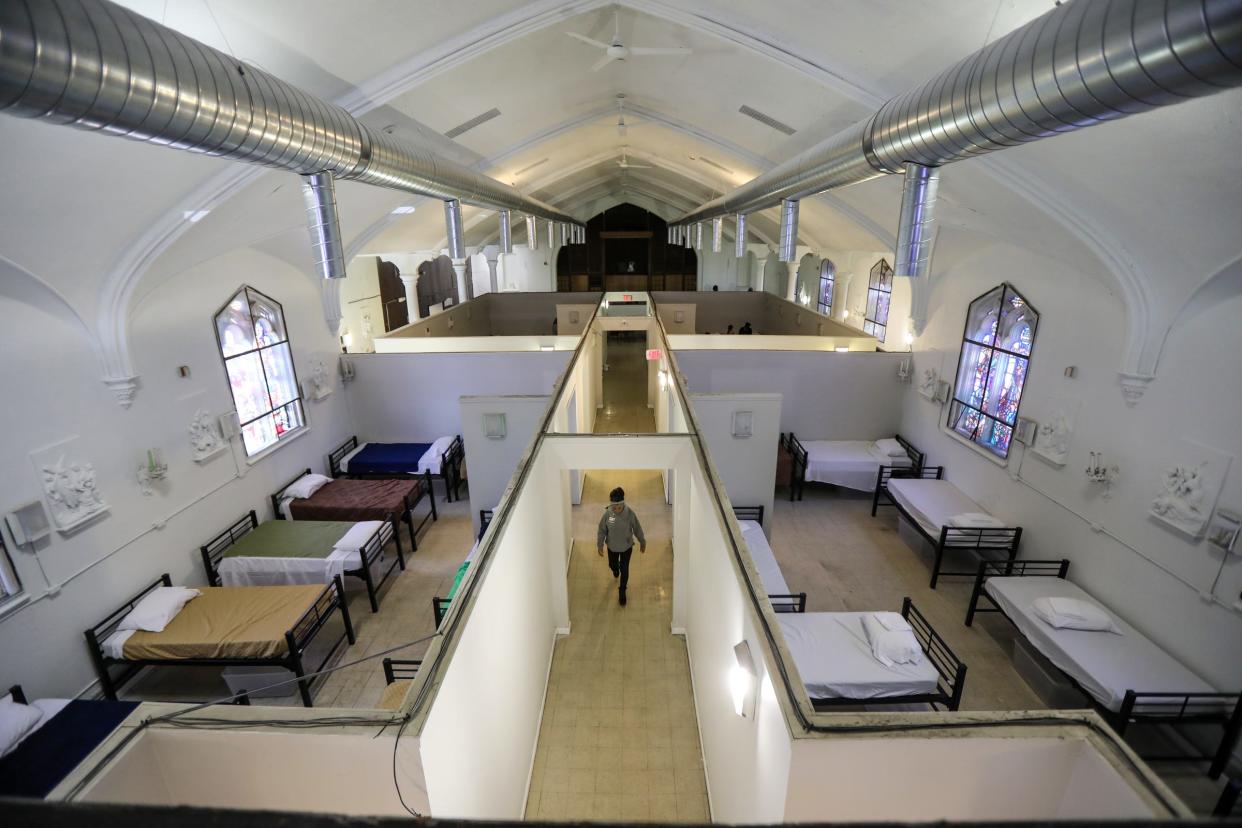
194 216
743 678
494 426
152 468
663 377
403 210
845 314
743 424
547 347
842 349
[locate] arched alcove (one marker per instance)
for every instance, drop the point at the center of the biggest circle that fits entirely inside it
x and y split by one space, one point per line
626 248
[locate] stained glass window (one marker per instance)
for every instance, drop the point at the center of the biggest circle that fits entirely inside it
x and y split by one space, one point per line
258 362
827 281
996 352
879 295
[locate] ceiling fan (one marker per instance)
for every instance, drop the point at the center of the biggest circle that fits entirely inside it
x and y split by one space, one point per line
617 50
625 164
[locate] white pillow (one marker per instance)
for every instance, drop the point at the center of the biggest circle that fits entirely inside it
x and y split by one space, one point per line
305 486
1073 614
976 520
890 447
358 535
440 446
157 608
891 638
16 723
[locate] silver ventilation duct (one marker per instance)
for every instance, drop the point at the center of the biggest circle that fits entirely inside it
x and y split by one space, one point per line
717 233
689 240
532 233
739 238
551 234
1080 64
789 230
319 193
94 65
698 235
916 222
506 231
453 229
564 233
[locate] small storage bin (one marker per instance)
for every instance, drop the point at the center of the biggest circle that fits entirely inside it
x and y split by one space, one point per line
1049 683
250 679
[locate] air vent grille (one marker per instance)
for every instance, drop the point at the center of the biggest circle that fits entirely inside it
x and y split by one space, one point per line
472 123
767 120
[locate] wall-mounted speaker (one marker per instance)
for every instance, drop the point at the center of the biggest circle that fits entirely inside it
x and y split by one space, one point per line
230 425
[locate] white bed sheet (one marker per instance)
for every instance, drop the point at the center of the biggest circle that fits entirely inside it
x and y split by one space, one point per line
765 561
345 460
835 661
258 571
1104 664
932 502
854 464
430 461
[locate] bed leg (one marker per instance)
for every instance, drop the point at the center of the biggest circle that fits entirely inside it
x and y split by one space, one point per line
875 498
975 593
936 563
431 495
1122 719
340 596
370 582
1227 740
409 524
396 536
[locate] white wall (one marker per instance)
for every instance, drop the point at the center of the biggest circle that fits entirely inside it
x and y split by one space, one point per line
92 570
493 460
286 771
746 466
362 312
478 742
528 270
1149 574
414 396
825 396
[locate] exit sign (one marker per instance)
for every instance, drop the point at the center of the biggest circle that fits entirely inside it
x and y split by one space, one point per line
654 354
627 297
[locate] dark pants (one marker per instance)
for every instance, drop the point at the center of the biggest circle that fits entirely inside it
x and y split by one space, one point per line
620 562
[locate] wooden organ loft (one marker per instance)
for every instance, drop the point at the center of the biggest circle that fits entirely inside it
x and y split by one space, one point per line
626 249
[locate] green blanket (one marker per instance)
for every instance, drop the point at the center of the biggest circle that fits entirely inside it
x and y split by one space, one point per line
461 573
290 539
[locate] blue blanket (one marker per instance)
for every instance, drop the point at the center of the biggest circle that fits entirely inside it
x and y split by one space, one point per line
45 757
389 458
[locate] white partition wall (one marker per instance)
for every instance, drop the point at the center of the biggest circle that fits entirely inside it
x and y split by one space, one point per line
742 432
493 459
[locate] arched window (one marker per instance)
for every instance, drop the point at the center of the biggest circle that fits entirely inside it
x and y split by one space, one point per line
996 351
827 281
251 333
879 295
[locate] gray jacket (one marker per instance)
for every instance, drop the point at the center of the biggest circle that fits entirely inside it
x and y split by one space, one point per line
619 530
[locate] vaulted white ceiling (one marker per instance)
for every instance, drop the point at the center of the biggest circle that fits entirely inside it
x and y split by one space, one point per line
1150 204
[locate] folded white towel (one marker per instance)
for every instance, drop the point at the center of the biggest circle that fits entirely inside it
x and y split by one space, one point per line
358 535
891 638
890 446
976 520
1073 614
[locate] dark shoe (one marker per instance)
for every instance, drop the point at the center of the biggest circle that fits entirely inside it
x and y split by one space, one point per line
616 573
621 593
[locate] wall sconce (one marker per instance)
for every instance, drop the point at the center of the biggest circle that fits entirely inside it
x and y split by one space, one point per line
905 370
662 375
743 679
494 426
1100 472
152 469
743 424
842 349
347 369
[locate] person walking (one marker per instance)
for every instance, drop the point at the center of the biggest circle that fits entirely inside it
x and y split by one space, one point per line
617 529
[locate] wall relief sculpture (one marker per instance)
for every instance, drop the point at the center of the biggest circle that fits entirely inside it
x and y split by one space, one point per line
71 492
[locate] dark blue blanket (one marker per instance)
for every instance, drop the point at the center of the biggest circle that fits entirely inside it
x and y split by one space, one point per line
389 458
48 755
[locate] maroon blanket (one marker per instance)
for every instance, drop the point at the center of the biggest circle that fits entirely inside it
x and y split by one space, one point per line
357 500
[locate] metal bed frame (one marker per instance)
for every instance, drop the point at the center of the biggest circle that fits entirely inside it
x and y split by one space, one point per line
401 669
372 551
19 695
1004 539
798 455
297 639
407 516
1137 707
950 670
794 602
450 467
439 606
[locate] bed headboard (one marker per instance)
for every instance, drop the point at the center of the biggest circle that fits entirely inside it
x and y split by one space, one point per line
107 626
754 513
917 457
275 497
338 454
485 519
17 694
213 551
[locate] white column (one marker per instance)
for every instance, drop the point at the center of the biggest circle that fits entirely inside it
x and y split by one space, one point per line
841 296
493 258
410 282
463 290
791 284
761 262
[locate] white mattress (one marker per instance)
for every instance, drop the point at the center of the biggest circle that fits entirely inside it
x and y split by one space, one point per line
932 502
854 464
835 661
258 571
765 561
1104 664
